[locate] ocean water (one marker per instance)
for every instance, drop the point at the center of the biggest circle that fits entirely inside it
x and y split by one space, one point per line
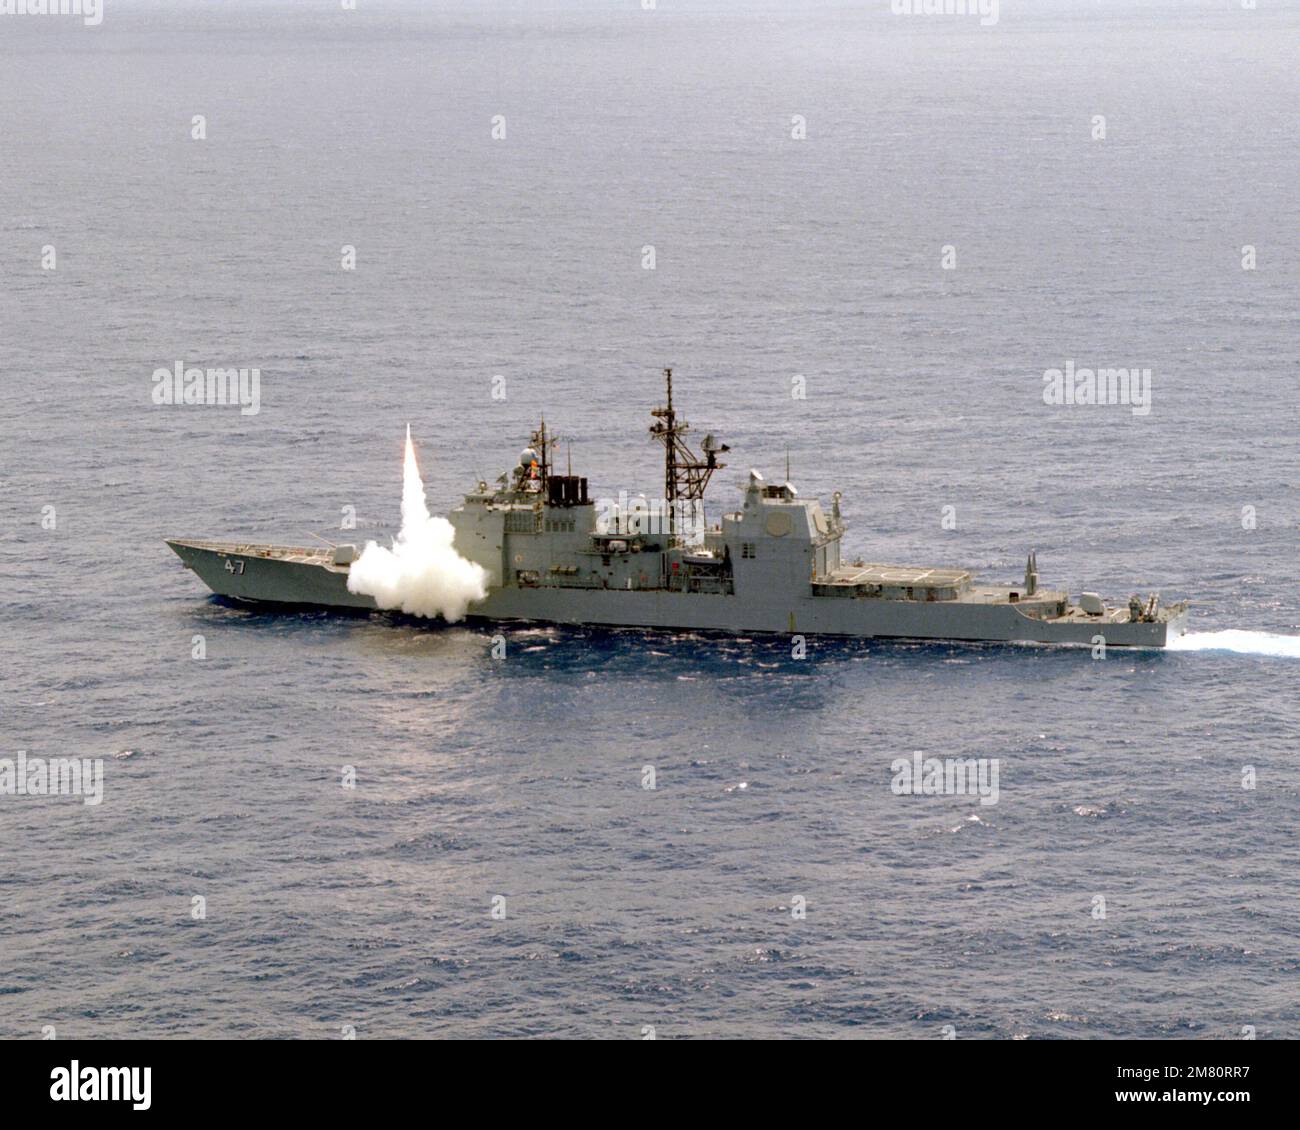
628 909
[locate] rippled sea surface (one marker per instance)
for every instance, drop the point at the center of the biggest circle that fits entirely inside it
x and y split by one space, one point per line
521 257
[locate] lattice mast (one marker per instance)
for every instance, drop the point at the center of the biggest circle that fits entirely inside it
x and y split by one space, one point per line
686 475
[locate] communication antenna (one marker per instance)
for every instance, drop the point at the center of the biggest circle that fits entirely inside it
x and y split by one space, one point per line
686 475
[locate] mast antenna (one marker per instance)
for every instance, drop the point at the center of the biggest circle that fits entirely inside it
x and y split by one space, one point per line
686 475
543 444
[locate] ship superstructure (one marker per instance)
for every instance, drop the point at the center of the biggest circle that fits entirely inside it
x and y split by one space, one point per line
553 553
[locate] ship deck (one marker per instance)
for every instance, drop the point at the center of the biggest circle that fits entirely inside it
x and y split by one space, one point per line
915 575
301 554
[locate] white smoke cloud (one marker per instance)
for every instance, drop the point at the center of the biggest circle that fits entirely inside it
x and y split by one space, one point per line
422 575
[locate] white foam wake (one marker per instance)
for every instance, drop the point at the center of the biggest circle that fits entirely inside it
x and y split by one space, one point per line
1233 639
422 574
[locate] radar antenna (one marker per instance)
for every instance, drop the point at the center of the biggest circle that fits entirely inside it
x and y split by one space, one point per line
543 444
686 475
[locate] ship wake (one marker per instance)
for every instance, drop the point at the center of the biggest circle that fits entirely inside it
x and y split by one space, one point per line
422 574
1242 642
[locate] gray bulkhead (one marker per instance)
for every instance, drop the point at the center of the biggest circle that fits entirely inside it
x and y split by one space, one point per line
776 543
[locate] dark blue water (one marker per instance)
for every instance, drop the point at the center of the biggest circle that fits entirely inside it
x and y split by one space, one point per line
625 908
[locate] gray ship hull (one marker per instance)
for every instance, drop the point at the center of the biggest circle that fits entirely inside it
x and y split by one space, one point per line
306 576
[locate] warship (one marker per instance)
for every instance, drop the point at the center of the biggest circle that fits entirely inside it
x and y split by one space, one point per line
550 553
